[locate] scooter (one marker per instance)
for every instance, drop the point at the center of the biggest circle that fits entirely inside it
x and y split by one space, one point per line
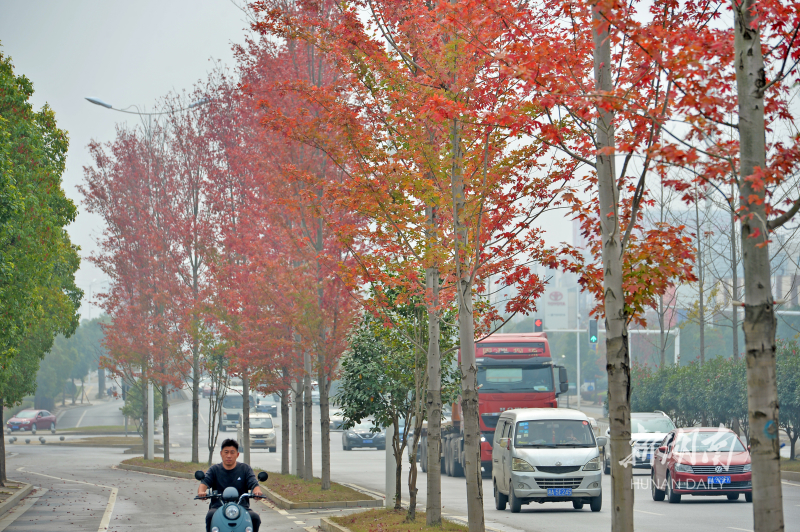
231 516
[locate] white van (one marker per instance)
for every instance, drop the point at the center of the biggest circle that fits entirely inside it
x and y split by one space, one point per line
546 455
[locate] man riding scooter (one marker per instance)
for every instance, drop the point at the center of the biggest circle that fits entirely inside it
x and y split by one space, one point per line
230 473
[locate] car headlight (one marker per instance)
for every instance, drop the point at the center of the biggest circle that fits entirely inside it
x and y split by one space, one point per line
683 468
214 529
747 468
483 438
232 511
593 464
518 464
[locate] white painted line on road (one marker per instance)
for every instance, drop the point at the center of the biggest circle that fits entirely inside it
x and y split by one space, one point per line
109 510
742 529
20 509
310 528
790 483
111 499
174 444
78 424
649 513
299 522
271 506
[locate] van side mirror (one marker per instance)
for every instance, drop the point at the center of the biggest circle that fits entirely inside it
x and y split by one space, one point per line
262 476
508 444
663 449
562 375
602 441
199 475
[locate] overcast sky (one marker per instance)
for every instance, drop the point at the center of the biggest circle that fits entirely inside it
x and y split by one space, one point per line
124 52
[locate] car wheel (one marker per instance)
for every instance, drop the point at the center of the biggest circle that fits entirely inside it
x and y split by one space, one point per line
673 497
500 500
273 449
733 496
382 448
447 464
53 427
578 505
606 463
516 504
657 494
748 497
423 459
344 446
458 471
596 503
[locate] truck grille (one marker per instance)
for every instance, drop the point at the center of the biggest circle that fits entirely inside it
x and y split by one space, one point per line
712 470
558 470
569 482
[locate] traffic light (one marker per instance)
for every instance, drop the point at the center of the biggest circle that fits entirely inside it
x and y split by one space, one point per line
592 331
538 323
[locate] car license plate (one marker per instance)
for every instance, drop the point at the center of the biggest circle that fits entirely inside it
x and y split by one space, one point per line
719 480
261 441
367 441
648 458
559 492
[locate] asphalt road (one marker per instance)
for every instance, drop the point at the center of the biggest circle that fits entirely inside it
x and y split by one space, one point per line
147 502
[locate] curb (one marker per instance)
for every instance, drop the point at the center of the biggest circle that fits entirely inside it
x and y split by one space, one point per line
155 471
286 504
12 501
329 526
793 476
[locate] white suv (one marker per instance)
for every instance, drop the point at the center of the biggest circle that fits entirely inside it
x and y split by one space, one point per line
648 430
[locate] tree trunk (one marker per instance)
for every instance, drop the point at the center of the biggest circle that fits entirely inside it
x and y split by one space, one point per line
433 507
74 388
165 420
245 421
298 429
285 428
323 383
700 283
3 478
734 281
759 315
101 382
617 353
466 336
792 449
397 452
662 346
411 516
308 469
195 400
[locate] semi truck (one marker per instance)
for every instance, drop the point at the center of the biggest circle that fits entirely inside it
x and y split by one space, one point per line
514 371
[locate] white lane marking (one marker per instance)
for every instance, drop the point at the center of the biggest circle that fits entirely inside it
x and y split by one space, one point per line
112 499
174 444
78 424
649 513
310 528
299 522
790 483
742 529
202 418
20 509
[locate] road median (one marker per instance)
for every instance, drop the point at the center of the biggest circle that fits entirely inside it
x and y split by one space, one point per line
12 494
385 520
289 492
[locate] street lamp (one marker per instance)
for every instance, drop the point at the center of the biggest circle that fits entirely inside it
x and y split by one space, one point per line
149 448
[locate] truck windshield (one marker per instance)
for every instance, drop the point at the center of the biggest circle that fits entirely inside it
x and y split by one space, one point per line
554 433
515 379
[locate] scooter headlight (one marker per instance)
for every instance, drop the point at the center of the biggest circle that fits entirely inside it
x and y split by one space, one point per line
214 529
232 511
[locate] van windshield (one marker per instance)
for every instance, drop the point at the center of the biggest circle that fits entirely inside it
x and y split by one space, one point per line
510 379
554 433
236 402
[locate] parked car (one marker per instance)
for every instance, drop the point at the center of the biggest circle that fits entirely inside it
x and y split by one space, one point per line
32 420
648 430
546 455
262 432
701 461
364 435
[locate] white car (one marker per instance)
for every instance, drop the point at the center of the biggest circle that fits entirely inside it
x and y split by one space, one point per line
648 430
262 432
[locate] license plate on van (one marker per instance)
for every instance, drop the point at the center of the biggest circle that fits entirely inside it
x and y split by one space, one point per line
559 492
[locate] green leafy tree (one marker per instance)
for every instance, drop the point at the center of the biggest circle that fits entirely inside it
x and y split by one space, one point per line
135 406
788 354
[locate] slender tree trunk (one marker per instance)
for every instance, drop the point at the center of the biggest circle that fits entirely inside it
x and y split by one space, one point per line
700 283
146 416
734 281
397 452
3 478
165 420
617 353
101 382
433 507
411 516
285 428
760 323
195 400
324 422
662 346
245 421
74 388
298 429
308 465
466 336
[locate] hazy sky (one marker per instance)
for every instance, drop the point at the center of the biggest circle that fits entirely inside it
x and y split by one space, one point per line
124 52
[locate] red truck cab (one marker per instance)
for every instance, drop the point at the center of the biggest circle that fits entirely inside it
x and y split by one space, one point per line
514 371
